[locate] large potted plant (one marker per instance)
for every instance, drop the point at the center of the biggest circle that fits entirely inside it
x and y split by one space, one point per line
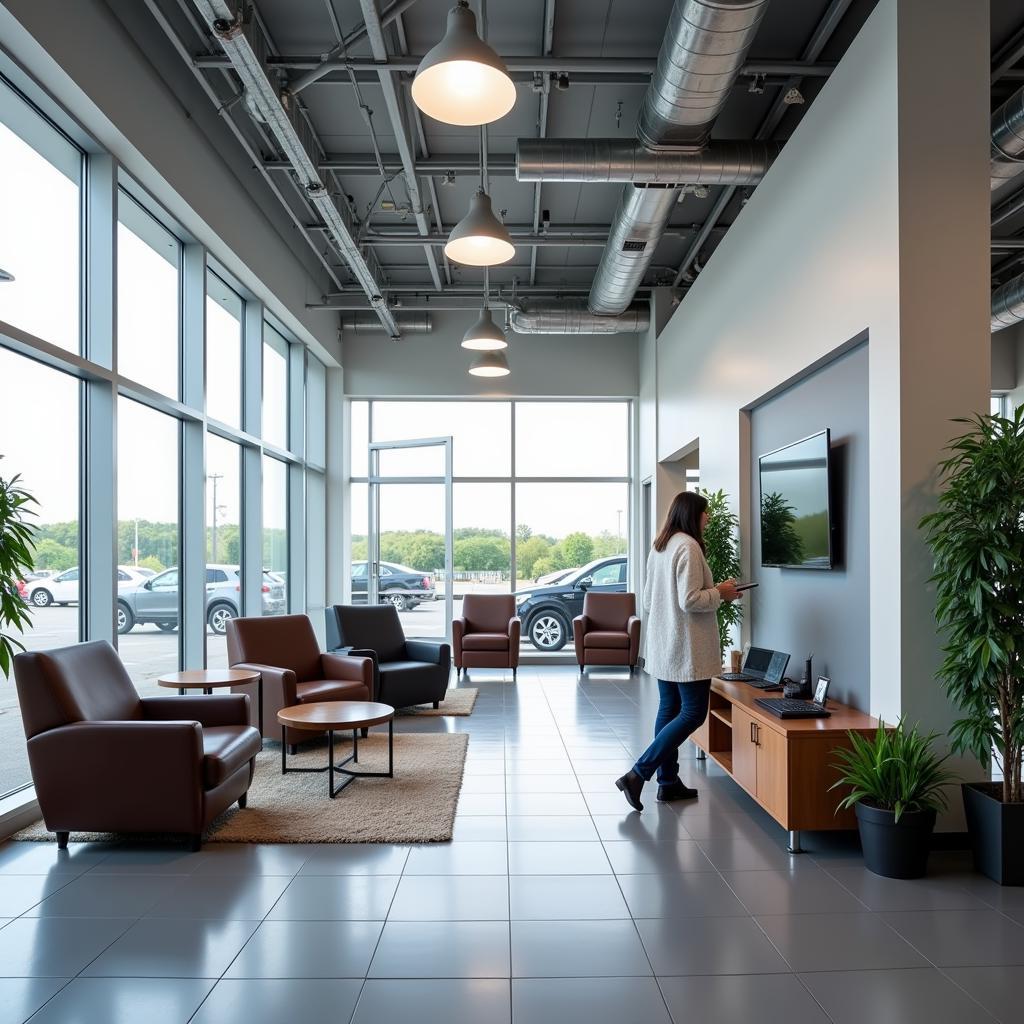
977 540
723 556
895 781
16 533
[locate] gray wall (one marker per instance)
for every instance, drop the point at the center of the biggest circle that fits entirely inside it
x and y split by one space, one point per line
801 610
436 364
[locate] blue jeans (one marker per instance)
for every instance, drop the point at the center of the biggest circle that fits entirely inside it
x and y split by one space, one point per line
683 708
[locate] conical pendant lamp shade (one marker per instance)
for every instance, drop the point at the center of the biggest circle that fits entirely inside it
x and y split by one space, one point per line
480 239
462 80
484 335
490 364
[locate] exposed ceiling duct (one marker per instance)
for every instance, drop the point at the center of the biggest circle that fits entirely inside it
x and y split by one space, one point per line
368 323
1008 140
705 45
722 163
1008 304
571 316
247 47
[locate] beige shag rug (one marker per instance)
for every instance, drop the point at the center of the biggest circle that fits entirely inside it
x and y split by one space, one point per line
457 703
416 806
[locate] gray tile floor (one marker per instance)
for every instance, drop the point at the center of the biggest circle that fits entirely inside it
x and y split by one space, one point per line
553 902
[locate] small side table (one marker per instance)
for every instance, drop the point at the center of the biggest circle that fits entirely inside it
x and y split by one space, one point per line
210 679
340 715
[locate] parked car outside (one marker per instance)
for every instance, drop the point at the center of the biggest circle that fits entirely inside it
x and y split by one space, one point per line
547 611
62 589
156 600
400 586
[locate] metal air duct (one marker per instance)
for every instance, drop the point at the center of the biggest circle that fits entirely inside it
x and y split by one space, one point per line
1008 140
585 160
1008 304
705 45
571 316
703 52
369 323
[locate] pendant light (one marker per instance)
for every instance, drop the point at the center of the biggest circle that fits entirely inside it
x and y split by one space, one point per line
485 335
490 364
462 80
480 239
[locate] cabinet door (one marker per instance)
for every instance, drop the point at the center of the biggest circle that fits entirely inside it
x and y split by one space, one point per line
744 750
772 774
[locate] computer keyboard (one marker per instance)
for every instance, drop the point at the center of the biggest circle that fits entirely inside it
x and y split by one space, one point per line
763 684
786 707
736 677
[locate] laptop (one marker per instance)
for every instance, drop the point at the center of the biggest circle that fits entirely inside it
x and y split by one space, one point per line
787 707
762 669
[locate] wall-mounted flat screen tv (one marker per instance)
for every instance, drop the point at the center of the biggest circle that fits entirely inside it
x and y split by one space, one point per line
796 518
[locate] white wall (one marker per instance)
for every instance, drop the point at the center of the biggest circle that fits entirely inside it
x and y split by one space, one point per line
541 364
135 95
875 217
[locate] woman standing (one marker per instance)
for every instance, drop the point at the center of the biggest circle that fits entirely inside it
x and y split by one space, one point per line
683 648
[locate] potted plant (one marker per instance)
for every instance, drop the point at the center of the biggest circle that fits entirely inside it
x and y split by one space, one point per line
723 556
16 532
977 540
896 786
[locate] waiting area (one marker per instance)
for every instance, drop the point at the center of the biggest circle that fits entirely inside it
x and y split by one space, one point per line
510 512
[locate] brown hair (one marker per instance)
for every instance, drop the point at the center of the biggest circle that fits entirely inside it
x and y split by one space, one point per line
684 516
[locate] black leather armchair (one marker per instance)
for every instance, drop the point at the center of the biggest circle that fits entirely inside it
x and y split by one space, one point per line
405 672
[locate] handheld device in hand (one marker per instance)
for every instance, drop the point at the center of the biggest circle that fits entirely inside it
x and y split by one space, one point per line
746 586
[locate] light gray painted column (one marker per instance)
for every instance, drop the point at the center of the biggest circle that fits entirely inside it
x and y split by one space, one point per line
192 580
98 515
296 479
338 553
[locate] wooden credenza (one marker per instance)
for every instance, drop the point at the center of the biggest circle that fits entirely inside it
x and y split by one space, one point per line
784 764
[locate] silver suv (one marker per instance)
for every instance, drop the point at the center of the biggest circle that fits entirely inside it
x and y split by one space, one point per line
156 600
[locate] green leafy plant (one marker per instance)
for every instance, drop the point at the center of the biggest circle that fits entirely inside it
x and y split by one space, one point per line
723 554
16 557
977 540
897 770
781 542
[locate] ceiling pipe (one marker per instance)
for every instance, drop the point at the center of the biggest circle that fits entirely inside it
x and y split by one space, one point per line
571 316
1008 304
367 323
244 43
1008 140
705 45
587 160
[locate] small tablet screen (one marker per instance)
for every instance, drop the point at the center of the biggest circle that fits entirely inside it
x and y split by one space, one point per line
821 690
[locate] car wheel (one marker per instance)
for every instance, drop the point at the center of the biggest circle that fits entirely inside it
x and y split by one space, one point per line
124 619
397 601
166 627
41 598
548 631
218 618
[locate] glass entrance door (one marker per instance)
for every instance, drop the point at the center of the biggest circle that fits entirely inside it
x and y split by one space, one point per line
410 535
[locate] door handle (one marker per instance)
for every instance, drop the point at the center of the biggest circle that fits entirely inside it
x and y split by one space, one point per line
752 728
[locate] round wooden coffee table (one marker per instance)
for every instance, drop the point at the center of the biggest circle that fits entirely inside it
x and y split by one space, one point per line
339 715
210 679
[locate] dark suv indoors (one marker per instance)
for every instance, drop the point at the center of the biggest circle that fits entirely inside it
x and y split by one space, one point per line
547 611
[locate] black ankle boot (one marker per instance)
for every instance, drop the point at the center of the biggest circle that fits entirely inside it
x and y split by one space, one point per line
675 791
631 786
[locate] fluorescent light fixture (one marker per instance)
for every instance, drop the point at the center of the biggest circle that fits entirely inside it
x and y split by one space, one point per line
480 239
490 364
462 80
484 335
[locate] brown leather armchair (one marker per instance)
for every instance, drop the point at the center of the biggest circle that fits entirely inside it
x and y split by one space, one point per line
284 650
608 631
487 635
104 759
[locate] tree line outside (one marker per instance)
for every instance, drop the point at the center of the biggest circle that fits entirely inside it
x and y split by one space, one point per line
482 550
56 545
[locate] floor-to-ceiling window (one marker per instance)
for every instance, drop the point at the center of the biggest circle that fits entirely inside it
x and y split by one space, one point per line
541 491
141 391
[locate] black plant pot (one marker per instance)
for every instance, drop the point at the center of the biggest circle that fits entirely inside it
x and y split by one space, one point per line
997 832
895 849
